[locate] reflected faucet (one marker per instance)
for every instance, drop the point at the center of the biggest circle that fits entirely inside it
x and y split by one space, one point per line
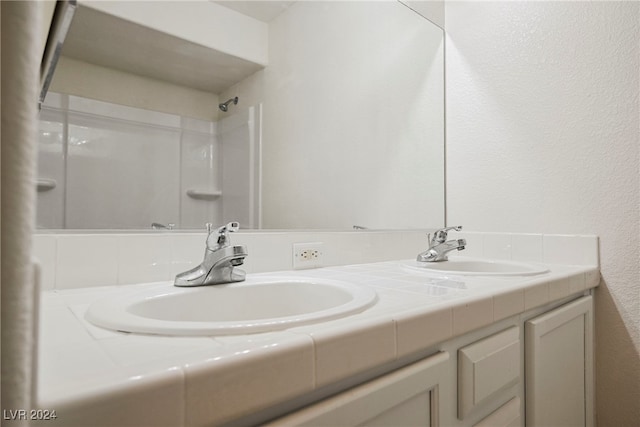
158 226
439 247
220 260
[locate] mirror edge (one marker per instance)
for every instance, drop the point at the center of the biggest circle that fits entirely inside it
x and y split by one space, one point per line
60 24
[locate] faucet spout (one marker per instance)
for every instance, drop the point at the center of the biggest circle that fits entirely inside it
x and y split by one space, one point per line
439 246
220 261
440 251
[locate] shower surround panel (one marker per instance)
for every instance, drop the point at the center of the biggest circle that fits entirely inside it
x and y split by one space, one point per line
108 166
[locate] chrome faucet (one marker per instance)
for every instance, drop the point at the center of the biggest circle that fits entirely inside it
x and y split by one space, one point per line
220 260
439 247
158 226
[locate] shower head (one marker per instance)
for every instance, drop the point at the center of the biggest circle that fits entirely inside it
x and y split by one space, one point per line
225 105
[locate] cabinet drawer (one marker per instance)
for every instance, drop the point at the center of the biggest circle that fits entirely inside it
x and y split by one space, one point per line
486 368
406 397
508 415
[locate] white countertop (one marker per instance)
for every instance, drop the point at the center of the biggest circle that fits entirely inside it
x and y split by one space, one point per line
114 378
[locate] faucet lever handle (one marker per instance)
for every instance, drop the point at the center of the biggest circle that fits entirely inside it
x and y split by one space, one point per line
221 235
439 236
230 227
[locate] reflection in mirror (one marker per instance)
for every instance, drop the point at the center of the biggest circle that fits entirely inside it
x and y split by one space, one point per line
340 126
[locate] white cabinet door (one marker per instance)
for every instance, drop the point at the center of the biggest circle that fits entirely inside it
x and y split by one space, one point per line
508 415
559 366
406 397
486 368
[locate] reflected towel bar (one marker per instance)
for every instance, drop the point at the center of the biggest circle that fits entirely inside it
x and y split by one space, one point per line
203 194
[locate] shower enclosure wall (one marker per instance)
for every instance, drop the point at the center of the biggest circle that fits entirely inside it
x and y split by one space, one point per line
107 166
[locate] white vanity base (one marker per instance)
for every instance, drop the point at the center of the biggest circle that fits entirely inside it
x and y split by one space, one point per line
98 377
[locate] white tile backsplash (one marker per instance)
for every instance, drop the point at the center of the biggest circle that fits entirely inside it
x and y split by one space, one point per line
497 246
526 247
80 260
569 249
86 260
548 248
144 258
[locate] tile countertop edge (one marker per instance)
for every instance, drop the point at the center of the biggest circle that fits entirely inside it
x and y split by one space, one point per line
399 327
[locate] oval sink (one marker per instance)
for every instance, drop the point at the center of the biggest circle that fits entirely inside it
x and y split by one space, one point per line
477 267
259 304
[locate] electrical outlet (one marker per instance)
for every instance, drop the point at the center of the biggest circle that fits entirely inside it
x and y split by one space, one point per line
307 255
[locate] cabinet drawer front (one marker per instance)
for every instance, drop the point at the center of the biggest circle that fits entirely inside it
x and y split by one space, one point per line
508 415
408 396
487 367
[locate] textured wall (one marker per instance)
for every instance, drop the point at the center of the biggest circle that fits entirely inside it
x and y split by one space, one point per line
20 81
543 136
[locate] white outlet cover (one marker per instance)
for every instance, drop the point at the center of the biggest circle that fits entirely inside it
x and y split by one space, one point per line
316 258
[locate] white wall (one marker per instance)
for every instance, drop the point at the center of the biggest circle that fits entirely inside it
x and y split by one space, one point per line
543 136
80 78
339 111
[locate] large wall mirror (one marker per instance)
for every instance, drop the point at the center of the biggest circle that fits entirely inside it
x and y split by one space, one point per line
285 115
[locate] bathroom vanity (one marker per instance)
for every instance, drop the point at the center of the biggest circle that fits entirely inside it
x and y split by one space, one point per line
435 349
535 372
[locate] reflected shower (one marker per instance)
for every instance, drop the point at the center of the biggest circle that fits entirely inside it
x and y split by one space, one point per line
225 105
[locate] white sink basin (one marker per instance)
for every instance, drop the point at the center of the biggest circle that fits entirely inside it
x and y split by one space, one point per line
258 304
464 266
